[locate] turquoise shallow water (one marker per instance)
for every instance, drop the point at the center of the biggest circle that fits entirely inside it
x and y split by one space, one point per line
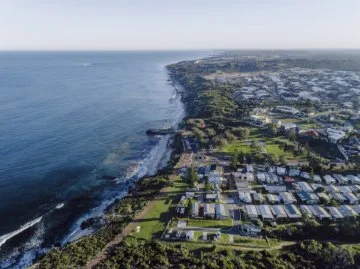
68 119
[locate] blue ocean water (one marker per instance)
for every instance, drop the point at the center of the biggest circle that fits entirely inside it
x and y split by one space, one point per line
68 119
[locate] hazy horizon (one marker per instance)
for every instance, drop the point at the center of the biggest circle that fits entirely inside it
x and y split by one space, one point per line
202 25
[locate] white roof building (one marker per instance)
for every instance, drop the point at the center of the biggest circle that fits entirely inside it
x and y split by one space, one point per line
281 171
338 197
245 197
251 211
351 198
319 212
273 198
294 172
329 179
306 210
316 186
356 208
343 189
292 211
305 186
275 188
335 213
258 197
287 198
209 210
215 178
323 195
317 179
278 211
261 177
335 135
332 189
220 211
265 212
340 178
353 179
195 209
305 175
347 211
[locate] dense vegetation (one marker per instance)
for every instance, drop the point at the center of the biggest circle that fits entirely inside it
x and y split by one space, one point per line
118 215
134 253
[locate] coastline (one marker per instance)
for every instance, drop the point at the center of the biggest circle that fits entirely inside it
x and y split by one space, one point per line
167 158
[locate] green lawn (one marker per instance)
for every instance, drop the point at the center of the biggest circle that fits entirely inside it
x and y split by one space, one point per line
156 219
250 242
208 223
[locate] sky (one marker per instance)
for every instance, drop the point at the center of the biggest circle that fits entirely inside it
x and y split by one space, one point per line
178 25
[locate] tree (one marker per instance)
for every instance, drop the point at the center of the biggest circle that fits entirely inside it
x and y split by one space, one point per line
235 159
192 178
207 185
211 132
291 135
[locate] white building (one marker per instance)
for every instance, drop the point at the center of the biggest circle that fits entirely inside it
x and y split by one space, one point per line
245 197
215 178
306 210
195 209
305 186
258 197
340 179
319 212
351 198
220 211
273 198
329 179
317 179
279 211
292 211
251 211
209 210
305 175
294 172
275 188
281 171
338 197
347 211
332 189
335 213
287 198
265 212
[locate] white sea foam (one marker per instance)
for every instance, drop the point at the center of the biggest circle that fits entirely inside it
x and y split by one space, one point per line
24 227
61 205
20 258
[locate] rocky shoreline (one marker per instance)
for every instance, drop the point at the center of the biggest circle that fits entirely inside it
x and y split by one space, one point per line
106 227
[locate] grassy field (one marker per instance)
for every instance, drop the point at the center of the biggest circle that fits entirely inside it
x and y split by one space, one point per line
207 223
271 145
250 242
161 211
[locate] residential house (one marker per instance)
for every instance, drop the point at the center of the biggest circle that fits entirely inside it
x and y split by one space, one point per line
287 198
335 213
279 211
308 198
251 211
351 198
265 212
319 212
209 210
347 211
292 211
220 211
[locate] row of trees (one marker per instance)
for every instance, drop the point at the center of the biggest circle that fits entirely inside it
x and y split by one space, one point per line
135 253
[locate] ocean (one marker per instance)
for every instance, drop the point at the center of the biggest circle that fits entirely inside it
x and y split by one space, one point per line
72 135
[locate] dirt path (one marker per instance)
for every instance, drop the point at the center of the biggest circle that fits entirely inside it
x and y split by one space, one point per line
126 231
